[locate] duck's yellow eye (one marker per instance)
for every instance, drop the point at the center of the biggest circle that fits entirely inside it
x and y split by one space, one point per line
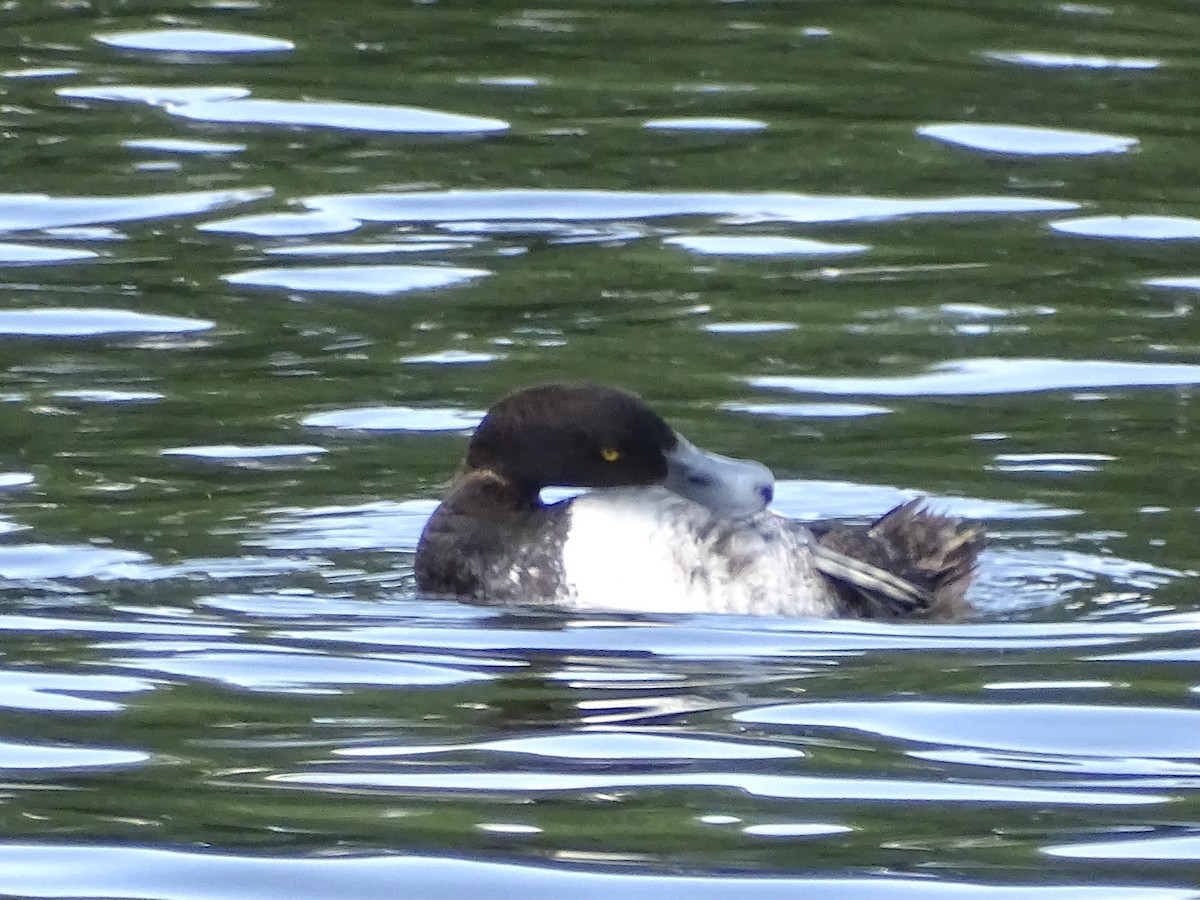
610 454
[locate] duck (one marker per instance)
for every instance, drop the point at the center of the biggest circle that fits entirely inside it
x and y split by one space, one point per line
665 526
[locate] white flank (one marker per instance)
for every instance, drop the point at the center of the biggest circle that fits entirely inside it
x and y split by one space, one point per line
639 549
617 555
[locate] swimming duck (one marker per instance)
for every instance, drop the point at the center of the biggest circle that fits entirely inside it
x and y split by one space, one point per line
668 528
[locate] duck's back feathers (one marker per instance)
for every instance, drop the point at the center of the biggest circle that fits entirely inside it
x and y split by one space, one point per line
935 555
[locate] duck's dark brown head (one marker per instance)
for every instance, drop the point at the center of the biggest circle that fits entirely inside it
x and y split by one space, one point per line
572 435
581 434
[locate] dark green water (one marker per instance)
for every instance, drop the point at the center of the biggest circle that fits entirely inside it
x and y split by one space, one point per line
245 328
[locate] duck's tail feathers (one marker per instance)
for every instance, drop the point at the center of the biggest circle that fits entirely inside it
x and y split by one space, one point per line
909 562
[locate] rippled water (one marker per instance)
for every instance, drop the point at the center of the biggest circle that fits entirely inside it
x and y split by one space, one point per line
262 268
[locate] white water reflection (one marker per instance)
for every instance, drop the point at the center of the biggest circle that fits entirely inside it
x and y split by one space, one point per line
807 410
1089 730
194 40
1141 228
705 638
154 95
1023 140
40 72
269 668
795 829
85 322
234 105
375 280
63 869
605 745
968 377
1039 59
1150 847
1059 463
38 255
765 245
412 245
241 452
505 81
819 499
396 418
710 123
748 327
76 692
591 205
31 211
281 225
182 145
36 561
1061 764
30 757
451 358
1186 282
351 116
782 787
108 395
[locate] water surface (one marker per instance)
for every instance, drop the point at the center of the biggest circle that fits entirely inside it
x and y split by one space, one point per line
261 270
